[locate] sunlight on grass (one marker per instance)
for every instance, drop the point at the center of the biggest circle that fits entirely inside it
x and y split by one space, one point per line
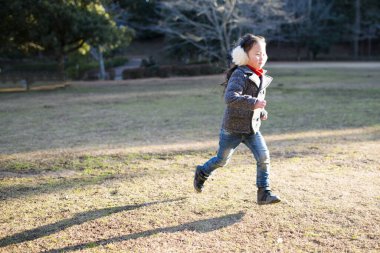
161 111
109 168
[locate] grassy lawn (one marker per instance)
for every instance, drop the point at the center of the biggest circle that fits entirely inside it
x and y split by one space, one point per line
108 167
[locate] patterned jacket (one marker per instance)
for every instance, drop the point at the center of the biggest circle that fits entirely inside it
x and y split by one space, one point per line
241 94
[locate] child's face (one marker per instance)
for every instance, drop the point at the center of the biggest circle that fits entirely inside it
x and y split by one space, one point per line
257 55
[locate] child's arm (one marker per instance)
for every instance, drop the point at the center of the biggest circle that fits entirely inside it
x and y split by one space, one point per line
234 94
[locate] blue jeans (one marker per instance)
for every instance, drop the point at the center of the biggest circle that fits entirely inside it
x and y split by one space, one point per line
228 142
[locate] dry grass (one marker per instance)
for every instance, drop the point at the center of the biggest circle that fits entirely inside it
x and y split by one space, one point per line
120 194
37 87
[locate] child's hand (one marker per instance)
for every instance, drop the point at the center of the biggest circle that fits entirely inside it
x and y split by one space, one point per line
264 117
260 104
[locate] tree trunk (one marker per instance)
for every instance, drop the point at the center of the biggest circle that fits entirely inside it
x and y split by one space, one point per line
102 69
25 84
369 47
61 66
357 28
298 52
309 9
309 25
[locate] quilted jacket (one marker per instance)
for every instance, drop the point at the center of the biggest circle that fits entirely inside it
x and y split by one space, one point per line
244 88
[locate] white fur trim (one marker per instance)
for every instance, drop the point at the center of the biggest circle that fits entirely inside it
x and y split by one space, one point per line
239 56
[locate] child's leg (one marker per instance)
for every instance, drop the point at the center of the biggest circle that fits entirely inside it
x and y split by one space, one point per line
258 147
227 145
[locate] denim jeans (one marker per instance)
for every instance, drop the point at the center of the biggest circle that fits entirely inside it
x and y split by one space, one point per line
228 142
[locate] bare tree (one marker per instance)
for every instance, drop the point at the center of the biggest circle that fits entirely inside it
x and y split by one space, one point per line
369 27
369 32
211 27
313 20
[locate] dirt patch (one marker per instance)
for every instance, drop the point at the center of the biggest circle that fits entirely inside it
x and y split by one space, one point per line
325 206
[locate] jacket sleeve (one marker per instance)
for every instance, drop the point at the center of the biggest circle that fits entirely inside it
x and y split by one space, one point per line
234 92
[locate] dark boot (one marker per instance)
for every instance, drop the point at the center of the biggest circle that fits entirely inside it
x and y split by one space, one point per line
266 197
199 179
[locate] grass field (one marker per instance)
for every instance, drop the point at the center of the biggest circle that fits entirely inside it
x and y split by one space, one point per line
108 167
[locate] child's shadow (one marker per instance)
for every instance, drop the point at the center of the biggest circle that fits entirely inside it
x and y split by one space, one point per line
201 226
76 220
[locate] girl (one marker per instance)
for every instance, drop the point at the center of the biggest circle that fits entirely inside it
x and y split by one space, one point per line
244 96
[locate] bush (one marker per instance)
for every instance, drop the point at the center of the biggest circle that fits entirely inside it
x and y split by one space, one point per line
79 70
94 74
77 66
116 61
85 67
28 66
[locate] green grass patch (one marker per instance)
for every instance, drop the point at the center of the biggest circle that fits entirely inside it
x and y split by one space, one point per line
169 110
291 77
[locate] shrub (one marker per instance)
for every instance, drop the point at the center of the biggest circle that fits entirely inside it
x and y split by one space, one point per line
85 67
28 66
116 61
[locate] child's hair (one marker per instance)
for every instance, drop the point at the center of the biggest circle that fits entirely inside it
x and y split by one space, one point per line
246 43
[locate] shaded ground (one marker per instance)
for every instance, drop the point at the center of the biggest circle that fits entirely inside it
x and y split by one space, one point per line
109 168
